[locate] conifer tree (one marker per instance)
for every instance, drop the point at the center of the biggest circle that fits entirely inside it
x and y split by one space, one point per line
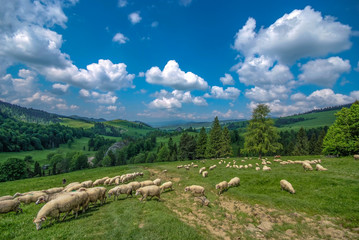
201 144
302 145
313 143
226 150
319 144
214 142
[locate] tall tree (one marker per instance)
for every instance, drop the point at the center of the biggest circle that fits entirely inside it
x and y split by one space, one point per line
226 149
343 136
163 155
319 144
187 147
312 143
261 136
201 144
302 144
214 142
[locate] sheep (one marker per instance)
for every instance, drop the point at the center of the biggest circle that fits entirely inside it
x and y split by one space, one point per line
212 167
157 181
83 198
66 203
134 185
202 169
53 190
97 182
195 189
107 182
95 194
166 185
31 197
151 191
124 189
268 162
319 167
180 166
195 166
146 183
266 168
186 167
50 197
250 165
204 174
70 185
73 188
7 197
258 168
114 192
164 171
10 205
117 181
356 157
113 180
307 166
222 186
202 200
234 182
87 184
245 166
285 185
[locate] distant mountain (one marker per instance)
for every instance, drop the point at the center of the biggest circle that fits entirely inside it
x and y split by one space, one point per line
87 119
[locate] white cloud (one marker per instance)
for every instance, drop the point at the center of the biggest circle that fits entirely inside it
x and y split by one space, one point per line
229 114
24 85
74 107
102 98
227 79
154 24
40 97
60 88
259 94
185 3
173 76
112 108
219 93
122 3
263 71
120 38
355 95
299 34
165 103
135 17
141 74
324 72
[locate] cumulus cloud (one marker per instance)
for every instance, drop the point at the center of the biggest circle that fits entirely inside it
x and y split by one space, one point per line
227 79
59 88
41 97
324 72
135 17
228 115
18 87
218 92
299 34
102 98
173 76
120 38
185 3
122 3
259 94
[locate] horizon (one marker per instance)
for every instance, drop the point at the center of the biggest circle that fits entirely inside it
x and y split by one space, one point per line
178 60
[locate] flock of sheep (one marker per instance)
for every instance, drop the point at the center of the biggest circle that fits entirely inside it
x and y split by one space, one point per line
76 197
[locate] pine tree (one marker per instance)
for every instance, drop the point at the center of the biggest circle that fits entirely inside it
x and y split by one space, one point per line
187 147
319 144
37 169
312 144
201 144
226 147
302 145
214 143
261 136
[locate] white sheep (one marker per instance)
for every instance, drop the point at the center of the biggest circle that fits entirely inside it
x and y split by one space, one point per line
234 182
124 189
157 181
204 174
266 168
73 188
212 167
146 183
70 185
195 189
49 197
307 166
31 197
53 190
202 169
180 166
113 192
96 194
166 185
87 184
10 205
319 167
222 186
195 166
149 191
258 168
134 185
7 197
285 185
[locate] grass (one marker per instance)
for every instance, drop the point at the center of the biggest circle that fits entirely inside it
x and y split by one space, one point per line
127 126
320 195
76 123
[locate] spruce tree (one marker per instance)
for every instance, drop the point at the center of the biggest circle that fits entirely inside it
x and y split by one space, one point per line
312 144
226 147
214 143
201 144
261 136
319 144
302 145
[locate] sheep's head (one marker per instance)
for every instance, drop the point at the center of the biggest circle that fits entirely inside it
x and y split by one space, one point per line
40 200
38 222
186 189
138 192
217 186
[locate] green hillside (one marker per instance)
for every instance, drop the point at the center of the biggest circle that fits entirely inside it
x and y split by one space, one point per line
76 123
130 128
257 209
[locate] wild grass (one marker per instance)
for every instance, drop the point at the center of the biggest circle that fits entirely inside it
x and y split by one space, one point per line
76 123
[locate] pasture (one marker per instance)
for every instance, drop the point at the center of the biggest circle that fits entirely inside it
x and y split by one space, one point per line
324 206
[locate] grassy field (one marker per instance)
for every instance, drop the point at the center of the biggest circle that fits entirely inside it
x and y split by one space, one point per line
325 205
76 123
128 127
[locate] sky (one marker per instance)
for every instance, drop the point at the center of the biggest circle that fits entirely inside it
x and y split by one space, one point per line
165 60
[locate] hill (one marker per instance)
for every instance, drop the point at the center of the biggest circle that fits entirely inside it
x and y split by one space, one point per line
257 209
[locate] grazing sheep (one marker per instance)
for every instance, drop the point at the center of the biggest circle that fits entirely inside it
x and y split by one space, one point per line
146 183
166 185
250 165
149 191
31 197
107 182
117 181
195 189
180 166
66 203
195 166
234 182
134 185
356 157
10 205
157 181
87 184
50 197
202 169
97 182
113 180
307 166
114 192
266 168
319 167
222 186
95 194
70 185
124 189
258 168
164 171
73 188
284 184
7 197
202 200
186 167
245 166
212 167
204 174
53 190
83 198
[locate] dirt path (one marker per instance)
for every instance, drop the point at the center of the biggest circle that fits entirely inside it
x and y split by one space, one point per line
231 219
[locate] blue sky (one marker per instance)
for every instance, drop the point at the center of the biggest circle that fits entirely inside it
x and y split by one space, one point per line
178 59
